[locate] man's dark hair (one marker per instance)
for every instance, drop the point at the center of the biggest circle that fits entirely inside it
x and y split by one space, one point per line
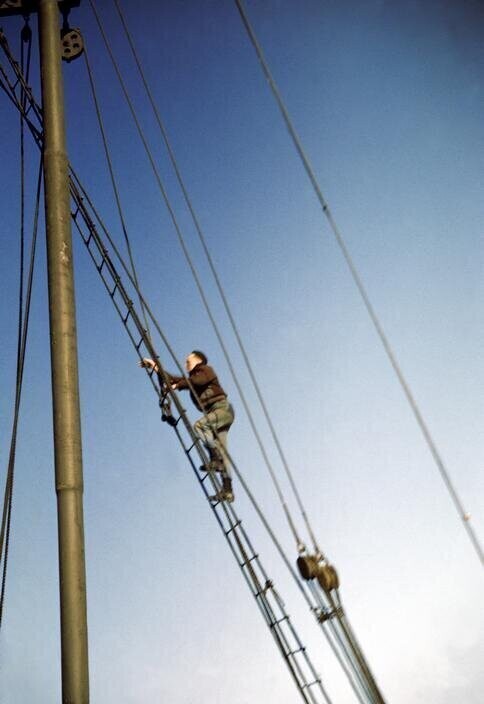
200 356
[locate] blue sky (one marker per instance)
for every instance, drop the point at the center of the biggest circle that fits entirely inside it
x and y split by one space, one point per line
388 100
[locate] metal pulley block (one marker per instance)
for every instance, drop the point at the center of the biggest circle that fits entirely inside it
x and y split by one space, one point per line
328 578
308 566
313 567
72 44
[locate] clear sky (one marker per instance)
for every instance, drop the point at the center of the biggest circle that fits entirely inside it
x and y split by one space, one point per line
388 98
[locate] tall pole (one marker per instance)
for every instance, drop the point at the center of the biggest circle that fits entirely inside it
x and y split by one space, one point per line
65 384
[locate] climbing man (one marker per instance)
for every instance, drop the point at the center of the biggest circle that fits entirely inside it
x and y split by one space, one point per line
212 428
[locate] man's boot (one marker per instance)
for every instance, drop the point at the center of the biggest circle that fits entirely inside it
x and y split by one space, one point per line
226 493
216 463
227 489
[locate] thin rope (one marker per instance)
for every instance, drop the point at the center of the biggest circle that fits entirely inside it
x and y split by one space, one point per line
25 38
216 277
196 278
6 520
341 618
244 485
252 499
76 185
357 681
23 326
75 191
172 354
464 515
113 180
301 586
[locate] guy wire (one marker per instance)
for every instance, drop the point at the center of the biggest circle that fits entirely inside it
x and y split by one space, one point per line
359 284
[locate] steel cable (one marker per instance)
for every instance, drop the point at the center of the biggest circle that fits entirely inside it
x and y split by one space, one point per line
244 485
198 283
190 263
113 179
23 325
300 585
464 515
217 280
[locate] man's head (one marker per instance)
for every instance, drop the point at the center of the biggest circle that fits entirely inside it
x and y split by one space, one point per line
194 358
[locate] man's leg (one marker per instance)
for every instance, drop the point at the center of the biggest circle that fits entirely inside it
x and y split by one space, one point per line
227 490
225 418
204 429
221 436
212 429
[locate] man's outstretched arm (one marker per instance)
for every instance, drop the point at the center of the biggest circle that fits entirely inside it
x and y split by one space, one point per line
148 363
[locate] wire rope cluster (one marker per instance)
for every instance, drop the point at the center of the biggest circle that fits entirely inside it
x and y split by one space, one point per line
23 316
328 619
316 578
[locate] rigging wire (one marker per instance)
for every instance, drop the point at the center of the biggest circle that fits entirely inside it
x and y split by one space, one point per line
356 678
76 186
319 612
347 648
217 279
78 199
5 530
117 279
247 490
301 586
113 179
25 36
464 515
198 283
156 174
23 324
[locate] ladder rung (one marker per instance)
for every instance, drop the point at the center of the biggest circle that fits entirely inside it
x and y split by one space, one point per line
311 684
279 620
246 562
236 524
301 649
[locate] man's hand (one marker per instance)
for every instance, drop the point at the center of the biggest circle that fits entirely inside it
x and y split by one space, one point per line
148 363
